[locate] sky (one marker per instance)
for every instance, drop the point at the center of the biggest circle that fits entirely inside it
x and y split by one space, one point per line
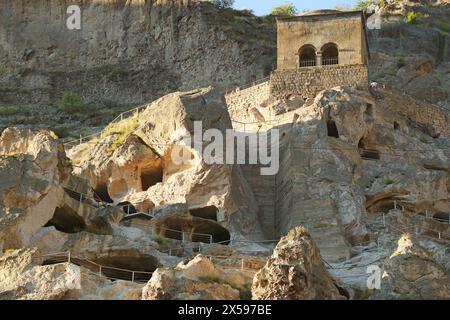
263 7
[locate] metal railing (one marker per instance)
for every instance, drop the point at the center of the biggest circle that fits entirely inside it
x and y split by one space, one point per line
330 61
246 86
109 272
307 63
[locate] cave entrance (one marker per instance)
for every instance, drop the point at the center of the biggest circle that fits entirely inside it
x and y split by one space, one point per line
127 207
66 220
172 230
151 176
332 130
442 217
367 154
209 212
202 232
102 192
129 268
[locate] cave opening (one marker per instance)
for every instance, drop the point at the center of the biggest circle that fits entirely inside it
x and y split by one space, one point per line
332 130
102 192
151 176
442 217
209 212
396 126
66 220
201 232
367 154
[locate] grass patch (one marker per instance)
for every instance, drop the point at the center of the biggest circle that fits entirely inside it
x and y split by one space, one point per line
298 231
159 239
245 293
122 130
388 182
412 18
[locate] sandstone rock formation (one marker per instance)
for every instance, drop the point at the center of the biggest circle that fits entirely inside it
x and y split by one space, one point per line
198 279
295 271
33 169
412 273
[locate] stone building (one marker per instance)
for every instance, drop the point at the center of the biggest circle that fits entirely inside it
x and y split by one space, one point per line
320 50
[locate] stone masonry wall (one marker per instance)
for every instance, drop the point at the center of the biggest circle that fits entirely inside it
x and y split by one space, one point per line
241 102
308 82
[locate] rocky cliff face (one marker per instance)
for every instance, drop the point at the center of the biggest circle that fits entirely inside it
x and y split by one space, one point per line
126 51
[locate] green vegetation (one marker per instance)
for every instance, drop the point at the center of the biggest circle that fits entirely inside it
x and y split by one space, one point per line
222 4
8 252
411 18
159 239
401 62
71 102
122 130
287 9
298 231
362 4
388 182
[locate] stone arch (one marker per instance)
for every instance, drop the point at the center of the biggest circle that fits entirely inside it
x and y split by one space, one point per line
307 56
330 54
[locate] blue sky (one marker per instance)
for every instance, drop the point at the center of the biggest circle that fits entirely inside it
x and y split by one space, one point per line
263 7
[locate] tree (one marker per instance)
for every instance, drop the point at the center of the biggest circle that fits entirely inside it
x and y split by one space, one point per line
362 4
287 9
222 4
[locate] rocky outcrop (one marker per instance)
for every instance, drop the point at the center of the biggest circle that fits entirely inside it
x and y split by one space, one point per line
411 272
33 169
295 271
198 279
137 161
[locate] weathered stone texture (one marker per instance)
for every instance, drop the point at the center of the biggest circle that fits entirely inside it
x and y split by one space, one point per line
308 82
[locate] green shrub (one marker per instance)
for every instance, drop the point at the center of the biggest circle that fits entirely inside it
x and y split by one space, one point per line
159 239
401 62
298 231
287 9
388 182
362 4
71 102
411 18
245 293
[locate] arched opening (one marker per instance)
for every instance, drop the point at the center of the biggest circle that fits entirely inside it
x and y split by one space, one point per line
102 192
209 212
396 126
307 56
330 54
151 176
66 220
219 234
442 217
332 130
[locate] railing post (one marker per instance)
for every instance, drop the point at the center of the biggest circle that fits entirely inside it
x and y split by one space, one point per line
439 235
395 204
68 257
128 210
81 139
81 197
384 221
242 264
170 251
132 276
210 239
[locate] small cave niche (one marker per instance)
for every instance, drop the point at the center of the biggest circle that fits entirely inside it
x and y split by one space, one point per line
366 153
209 212
219 234
396 126
102 192
66 220
172 229
332 130
442 217
369 111
151 176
